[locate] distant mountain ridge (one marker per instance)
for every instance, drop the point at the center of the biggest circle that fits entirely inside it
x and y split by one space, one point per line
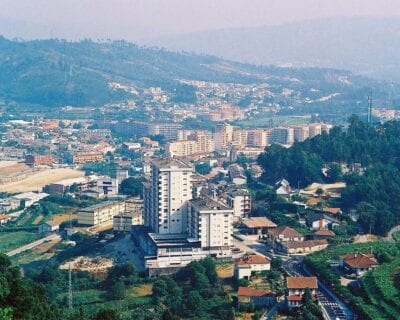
57 73
365 45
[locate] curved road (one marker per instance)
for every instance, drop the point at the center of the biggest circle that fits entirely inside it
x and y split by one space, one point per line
389 236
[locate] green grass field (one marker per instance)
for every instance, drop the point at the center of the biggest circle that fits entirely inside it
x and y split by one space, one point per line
13 240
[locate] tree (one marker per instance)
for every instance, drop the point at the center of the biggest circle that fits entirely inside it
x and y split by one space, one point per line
132 186
118 290
167 315
334 173
107 314
276 263
203 168
6 314
319 192
195 303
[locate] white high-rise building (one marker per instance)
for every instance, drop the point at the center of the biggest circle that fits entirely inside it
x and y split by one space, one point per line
210 222
166 196
223 136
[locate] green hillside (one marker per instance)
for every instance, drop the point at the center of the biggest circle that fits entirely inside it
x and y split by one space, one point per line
58 73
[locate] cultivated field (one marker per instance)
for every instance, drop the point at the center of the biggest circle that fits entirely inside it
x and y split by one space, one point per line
13 240
35 181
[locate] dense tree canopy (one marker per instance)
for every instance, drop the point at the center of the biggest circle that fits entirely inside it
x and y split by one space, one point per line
21 298
375 191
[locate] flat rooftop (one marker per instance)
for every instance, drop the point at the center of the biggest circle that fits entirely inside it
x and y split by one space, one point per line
170 163
258 222
208 204
172 240
99 205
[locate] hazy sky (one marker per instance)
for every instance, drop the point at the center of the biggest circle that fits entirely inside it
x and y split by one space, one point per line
134 19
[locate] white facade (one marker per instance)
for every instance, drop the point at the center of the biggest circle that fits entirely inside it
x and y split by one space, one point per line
108 186
100 213
223 136
211 223
240 202
166 197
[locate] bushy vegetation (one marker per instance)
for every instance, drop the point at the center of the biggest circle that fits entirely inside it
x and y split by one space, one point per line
21 298
374 299
132 186
194 293
376 193
90 66
15 239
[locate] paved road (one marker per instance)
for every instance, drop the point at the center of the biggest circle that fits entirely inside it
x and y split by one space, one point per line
389 236
333 308
32 245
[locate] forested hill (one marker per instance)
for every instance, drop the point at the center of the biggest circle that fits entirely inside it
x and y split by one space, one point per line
376 192
58 73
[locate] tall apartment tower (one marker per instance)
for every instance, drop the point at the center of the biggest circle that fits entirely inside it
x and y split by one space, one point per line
166 196
223 136
210 222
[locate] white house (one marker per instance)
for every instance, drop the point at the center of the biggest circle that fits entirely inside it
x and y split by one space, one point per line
48 227
250 263
358 263
296 287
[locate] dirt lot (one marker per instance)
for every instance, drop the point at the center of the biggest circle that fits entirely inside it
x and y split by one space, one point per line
58 218
37 180
225 271
89 264
10 167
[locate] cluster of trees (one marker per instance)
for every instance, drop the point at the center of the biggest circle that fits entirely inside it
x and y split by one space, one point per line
21 298
119 278
318 262
193 293
132 186
101 168
203 168
376 193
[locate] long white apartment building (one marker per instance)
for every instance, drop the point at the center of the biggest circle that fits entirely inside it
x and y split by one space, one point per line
196 143
100 213
166 196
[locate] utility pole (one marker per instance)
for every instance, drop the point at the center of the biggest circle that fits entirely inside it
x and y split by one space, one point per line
70 307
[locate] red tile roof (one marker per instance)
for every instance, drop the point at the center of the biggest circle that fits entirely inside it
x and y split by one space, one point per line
359 260
294 298
326 233
287 232
259 222
250 292
252 259
302 282
304 244
4 217
332 210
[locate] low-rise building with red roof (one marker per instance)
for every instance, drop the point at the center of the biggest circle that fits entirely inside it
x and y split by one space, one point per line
258 297
358 263
296 286
248 264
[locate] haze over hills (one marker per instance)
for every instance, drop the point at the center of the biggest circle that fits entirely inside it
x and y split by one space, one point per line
365 45
59 73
